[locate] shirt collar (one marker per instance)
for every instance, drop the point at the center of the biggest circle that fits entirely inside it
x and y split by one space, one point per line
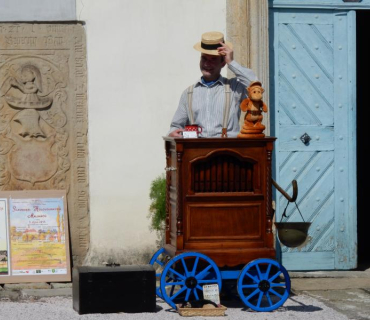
221 80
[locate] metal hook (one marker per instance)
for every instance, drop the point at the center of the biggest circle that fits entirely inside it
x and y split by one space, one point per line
292 198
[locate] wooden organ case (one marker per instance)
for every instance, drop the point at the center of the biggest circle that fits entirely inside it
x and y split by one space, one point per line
219 198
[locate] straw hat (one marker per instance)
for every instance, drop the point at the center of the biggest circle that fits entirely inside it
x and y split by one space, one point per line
210 42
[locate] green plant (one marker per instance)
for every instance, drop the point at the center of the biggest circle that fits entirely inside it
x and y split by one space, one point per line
157 209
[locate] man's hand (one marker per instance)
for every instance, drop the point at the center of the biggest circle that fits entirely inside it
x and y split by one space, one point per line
176 133
226 51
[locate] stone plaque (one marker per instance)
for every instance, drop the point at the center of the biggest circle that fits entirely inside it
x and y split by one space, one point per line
43 117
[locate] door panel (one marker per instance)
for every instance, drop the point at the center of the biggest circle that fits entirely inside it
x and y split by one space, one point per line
314 94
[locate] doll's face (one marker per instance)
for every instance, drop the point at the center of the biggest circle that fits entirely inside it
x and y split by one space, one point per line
255 93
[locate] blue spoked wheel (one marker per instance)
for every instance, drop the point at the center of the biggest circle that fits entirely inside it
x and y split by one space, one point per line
264 285
184 275
158 261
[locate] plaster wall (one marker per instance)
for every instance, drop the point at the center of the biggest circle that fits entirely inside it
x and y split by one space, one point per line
140 58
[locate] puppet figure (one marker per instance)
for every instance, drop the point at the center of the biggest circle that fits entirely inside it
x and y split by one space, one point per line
253 106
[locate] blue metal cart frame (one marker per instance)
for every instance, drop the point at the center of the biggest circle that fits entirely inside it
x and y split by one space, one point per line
262 285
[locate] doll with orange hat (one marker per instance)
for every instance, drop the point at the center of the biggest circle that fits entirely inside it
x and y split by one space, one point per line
253 106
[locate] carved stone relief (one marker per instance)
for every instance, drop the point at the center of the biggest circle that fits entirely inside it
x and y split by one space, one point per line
43 117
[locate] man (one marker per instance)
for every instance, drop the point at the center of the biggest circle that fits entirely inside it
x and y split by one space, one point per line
207 98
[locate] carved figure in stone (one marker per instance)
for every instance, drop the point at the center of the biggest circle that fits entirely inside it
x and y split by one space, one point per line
26 99
29 84
32 125
253 106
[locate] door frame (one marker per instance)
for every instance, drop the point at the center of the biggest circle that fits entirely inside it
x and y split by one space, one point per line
345 207
253 48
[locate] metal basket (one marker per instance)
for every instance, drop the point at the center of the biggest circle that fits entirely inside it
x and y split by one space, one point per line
291 234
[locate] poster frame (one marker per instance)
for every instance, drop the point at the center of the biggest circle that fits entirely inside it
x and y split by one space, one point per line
37 194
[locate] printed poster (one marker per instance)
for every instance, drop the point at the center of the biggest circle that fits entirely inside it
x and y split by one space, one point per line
212 292
37 236
4 267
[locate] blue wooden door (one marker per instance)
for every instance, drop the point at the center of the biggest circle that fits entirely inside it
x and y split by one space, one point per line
313 93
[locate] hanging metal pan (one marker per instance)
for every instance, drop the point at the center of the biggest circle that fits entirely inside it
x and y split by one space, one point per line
291 234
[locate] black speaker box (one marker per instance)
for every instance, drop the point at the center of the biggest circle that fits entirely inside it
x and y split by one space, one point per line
114 289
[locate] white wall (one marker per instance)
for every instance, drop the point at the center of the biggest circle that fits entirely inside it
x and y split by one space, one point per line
140 58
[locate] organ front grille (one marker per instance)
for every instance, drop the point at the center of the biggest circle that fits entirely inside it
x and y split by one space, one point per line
222 173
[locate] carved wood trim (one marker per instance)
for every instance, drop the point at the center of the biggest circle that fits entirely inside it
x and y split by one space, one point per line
179 224
168 189
268 192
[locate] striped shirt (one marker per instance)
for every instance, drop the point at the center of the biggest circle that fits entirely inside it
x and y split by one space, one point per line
209 103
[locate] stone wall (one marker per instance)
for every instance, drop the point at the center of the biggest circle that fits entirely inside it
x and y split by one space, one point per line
43 117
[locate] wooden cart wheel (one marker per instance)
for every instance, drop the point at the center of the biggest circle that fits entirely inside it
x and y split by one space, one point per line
158 261
264 285
184 275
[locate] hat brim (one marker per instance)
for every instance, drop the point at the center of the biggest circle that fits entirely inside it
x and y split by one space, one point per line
198 47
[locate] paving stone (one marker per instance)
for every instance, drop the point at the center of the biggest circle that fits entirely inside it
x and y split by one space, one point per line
33 285
329 283
9 295
330 274
354 303
367 290
41 293
59 285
